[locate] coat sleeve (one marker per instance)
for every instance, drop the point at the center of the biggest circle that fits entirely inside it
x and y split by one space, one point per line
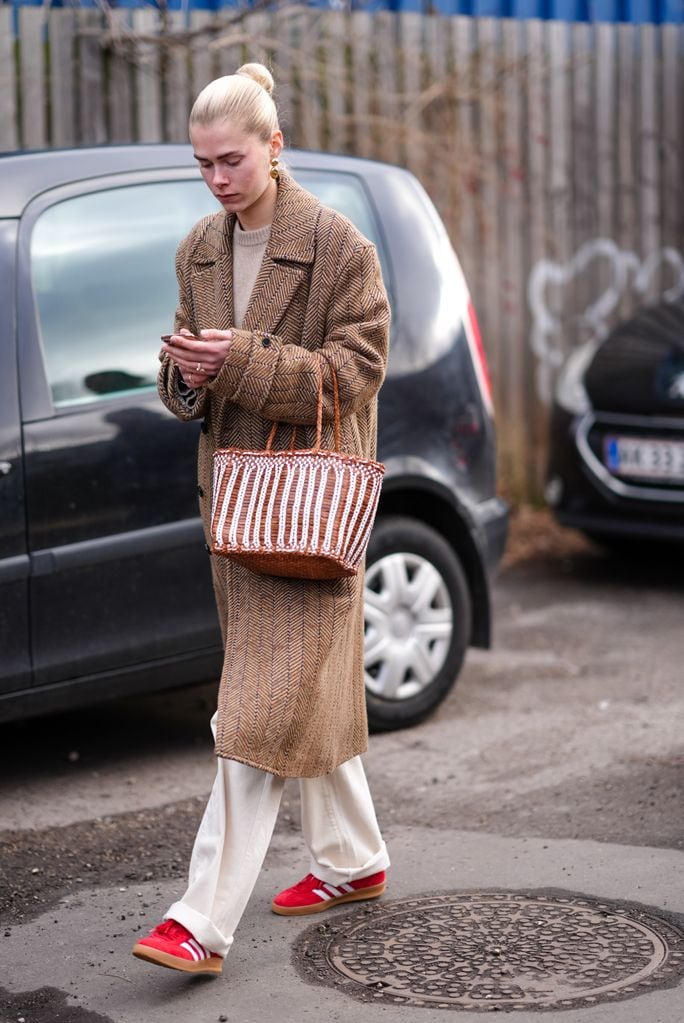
278 380
185 402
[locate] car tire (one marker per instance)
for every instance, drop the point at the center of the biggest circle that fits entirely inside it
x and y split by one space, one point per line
417 622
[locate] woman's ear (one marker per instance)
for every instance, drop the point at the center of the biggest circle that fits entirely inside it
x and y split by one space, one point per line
277 144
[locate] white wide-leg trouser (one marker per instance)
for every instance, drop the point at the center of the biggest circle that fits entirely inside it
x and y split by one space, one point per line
339 826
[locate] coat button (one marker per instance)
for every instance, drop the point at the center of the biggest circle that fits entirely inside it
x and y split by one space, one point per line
200 491
204 427
266 341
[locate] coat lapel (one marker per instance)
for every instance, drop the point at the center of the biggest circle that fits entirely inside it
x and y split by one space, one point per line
274 289
286 264
289 254
212 274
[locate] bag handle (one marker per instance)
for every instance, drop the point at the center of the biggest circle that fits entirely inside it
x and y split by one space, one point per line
319 415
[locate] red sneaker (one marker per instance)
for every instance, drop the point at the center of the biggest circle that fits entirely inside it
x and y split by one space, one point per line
170 944
311 895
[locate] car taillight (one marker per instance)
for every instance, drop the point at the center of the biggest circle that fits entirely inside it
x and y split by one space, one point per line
479 358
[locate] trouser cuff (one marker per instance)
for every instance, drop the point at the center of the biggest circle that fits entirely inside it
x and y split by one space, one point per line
343 875
200 927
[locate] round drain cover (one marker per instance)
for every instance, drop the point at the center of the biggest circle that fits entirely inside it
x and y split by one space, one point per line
495 950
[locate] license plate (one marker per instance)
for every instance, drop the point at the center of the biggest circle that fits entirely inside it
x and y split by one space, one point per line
645 459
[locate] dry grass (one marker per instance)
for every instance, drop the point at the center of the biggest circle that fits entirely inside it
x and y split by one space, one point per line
534 533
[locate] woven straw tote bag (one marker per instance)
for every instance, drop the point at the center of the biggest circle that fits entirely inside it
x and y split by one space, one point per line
303 514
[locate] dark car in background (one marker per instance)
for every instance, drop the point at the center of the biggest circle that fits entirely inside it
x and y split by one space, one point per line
616 468
104 580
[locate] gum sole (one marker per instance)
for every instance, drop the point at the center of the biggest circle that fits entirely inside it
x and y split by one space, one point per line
151 955
319 907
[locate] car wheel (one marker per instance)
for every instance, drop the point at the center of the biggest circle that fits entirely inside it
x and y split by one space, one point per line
417 622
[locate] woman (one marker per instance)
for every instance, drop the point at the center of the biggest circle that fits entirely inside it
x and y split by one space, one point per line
271 290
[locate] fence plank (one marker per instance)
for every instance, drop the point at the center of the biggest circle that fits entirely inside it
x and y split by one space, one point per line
583 133
176 89
559 192
438 111
290 98
148 77
560 188
255 28
281 71
305 65
61 33
361 29
201 57
582 214
488 282
672 207
467 167
453 155
513 336
413 147
536 378
559 205
263 45
120 114
604 98
334 53
229 53
649 141
625 226
384 84
9 135
32 78
91 78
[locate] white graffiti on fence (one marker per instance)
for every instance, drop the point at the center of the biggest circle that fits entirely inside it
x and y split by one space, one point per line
624 274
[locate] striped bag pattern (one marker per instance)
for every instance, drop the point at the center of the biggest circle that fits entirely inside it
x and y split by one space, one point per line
303 514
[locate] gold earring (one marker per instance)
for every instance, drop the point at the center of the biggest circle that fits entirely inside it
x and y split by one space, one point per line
274 172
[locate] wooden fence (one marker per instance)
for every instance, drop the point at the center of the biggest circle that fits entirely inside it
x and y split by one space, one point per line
552 150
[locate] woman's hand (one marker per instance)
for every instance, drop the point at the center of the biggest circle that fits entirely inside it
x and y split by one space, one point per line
199 360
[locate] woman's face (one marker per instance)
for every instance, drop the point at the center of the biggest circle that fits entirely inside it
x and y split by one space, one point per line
234 164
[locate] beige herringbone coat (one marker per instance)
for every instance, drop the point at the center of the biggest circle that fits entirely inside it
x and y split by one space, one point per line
291 699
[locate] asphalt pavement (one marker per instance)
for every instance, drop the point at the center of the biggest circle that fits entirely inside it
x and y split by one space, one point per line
554 770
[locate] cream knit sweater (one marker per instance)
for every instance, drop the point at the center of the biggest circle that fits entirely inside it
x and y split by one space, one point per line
248 253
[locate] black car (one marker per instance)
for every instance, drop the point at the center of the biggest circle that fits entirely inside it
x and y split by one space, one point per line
104 580
616 468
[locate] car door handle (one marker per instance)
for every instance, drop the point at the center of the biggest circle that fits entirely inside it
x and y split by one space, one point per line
5 468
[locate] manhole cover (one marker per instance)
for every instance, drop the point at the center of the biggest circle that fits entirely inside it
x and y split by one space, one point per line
494 951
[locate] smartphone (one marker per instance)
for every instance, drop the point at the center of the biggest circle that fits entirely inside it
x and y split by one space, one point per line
167 337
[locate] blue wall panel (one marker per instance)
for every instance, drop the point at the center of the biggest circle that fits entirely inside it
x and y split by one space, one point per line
636 11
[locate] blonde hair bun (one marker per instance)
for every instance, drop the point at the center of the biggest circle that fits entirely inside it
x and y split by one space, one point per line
243 98
259 74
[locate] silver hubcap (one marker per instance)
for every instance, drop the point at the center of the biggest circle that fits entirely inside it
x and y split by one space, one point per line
409 619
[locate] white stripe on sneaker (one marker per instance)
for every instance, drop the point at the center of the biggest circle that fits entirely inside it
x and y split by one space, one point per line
193 951
321 894
203 954
332 889
347 887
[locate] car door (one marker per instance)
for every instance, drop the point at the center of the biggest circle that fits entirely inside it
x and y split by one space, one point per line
15 662
119 574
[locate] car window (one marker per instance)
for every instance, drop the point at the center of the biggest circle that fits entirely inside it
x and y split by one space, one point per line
346 194
102 267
